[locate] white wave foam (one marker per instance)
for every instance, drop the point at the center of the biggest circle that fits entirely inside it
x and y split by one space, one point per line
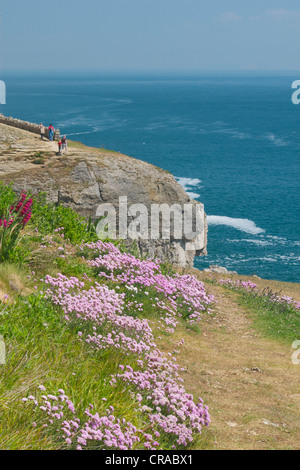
276 140
253 242
291 259
87 132
193 195
244 225
234 133
115 100
268 259
279 239
187 183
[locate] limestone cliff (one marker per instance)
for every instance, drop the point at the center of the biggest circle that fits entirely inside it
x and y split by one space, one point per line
87 177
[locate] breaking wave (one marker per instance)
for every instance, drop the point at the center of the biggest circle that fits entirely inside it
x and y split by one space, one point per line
188 185
244 225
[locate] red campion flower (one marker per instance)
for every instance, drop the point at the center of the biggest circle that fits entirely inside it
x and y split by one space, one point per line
13 220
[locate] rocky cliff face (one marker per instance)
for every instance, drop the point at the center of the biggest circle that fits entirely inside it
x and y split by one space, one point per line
87 178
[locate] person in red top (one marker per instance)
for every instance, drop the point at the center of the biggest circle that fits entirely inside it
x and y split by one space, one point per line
51 132
60 147
64 144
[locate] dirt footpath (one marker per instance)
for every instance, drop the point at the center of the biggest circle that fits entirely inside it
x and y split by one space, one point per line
249 382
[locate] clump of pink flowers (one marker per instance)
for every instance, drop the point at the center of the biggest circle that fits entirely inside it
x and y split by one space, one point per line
182 295
110 318
57 413
248 285
251 287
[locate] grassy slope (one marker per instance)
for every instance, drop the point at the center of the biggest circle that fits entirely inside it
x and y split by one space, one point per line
42 349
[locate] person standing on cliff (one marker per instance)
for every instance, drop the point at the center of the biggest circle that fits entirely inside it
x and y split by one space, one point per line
51 132
60 147
64 143
42 129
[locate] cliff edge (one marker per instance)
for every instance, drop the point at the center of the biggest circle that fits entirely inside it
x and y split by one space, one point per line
86 178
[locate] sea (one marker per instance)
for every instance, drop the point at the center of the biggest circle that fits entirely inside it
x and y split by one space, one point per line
232 140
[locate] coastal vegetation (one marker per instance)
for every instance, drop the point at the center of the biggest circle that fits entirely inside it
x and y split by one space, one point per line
274 314
83 368
102 346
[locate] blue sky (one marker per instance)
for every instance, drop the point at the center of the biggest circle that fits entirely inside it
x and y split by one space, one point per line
150 34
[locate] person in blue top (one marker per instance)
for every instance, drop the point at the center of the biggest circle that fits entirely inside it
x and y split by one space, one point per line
51 131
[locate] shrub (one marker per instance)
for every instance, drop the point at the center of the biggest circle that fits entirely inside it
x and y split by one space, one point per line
49 217
7 196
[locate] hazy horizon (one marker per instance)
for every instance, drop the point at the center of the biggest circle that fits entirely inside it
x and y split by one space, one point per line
166 72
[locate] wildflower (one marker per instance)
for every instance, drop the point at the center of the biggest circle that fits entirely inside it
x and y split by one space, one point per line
113 324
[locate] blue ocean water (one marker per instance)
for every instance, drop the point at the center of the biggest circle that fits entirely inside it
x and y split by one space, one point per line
232 141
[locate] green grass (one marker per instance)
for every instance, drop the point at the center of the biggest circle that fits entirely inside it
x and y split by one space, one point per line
47 217
42 349
272 320
79 145
13 278
275 320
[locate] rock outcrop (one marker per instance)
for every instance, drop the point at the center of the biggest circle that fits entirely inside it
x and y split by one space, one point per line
218 270
87 178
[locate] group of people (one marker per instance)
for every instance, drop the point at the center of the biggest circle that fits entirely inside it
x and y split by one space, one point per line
62 144
51 132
